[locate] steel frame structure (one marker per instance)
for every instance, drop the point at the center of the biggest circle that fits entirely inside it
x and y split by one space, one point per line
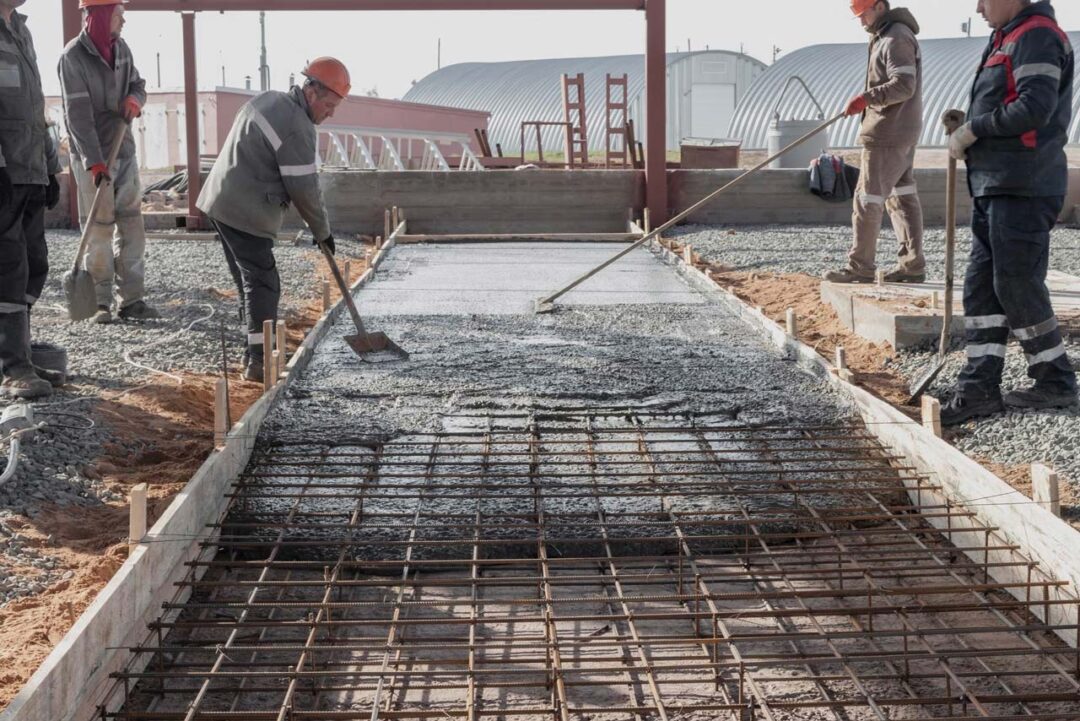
655 61
594 566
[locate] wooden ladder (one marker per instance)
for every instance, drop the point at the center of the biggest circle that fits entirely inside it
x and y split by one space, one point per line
577 141
616 145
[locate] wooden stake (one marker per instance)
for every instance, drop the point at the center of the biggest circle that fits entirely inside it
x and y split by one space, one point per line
387 227
688 254
1045 488
325 296
268 354
645 219
841 358
221 413
275 363
792 323
629 220
931 414
393 219
378 242
282 349
137 516
347 272
935 301
881 278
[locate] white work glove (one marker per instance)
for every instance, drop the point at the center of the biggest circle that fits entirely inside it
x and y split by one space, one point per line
960 140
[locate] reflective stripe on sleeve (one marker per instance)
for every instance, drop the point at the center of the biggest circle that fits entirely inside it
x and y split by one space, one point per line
986 349
266 128
1038 69
298 170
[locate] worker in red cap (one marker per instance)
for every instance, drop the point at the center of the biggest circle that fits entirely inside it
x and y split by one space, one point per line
268 161
103 93
891 109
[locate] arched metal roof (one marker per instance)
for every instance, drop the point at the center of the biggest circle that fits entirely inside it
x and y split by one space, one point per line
530 90
835 73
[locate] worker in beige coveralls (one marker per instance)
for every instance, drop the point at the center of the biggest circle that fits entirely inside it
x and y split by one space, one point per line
891 108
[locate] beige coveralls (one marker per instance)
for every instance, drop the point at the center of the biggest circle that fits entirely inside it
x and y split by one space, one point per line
889 133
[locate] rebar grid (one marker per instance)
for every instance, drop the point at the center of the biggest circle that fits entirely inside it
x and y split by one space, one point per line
602 567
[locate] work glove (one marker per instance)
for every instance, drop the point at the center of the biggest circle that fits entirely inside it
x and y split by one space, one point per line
52 193
960 140
100 171
856 105
7 193
329 243
130 108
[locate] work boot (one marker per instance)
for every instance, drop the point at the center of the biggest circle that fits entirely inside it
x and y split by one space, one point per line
899 275
253 369
19 379
103 315
1041 398
53 378
138 311
847 275
960 408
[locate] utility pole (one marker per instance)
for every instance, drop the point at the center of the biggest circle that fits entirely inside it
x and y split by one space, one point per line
438 56
159 71
775 53
264 69
966 27
223 83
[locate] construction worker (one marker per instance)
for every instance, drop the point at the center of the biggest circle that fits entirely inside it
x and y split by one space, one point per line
267 162
103 93
1014 145
891 108
28 185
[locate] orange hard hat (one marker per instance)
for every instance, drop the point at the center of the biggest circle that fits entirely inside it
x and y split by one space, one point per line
83 4
330 72
858 7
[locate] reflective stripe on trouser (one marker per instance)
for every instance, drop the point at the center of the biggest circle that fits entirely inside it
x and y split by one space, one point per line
116 249
1005 291
887 182
254 270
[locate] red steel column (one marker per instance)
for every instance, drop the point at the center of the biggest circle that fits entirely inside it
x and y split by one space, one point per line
656 191
191 113
71 18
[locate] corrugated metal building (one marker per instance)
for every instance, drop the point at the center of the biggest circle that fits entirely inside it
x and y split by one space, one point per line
703 90
835 73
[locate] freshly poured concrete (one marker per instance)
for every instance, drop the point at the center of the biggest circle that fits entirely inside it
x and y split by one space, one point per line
484 278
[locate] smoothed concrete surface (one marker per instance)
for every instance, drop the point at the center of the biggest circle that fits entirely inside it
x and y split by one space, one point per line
507 278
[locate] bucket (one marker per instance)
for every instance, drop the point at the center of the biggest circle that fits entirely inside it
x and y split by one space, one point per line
49 357
783 133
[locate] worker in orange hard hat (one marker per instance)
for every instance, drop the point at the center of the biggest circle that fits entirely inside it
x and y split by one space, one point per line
891 108
103 93
268 162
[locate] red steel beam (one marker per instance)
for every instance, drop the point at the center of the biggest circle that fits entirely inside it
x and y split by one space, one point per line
191 115
345 5
656 190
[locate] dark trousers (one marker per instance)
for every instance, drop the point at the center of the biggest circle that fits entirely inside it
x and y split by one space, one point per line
24 256
254 270
1005 290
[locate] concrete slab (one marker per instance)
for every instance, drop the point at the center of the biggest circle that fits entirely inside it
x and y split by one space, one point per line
506 279
903 316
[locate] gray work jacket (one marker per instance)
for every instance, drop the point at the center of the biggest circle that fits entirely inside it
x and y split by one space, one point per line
26 146
93 95
268 160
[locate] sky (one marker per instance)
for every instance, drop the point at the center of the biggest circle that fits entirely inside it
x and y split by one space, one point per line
387 51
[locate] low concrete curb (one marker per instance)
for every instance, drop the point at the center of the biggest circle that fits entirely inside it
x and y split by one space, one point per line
72 680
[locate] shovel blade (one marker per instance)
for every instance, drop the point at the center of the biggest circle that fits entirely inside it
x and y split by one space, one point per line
81 295
922 383
376 348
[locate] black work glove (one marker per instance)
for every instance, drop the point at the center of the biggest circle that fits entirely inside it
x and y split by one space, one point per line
52 193
7 193
329 243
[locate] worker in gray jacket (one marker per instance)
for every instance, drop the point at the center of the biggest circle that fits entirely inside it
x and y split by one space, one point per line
891 109
28 185
102 94
268 161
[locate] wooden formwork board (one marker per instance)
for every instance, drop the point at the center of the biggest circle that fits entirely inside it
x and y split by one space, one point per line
73 677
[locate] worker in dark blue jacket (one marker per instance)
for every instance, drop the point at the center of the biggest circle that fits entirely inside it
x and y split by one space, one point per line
1014 145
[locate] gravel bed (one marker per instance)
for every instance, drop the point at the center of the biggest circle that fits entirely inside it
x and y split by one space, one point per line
814 249
183 281
1013 439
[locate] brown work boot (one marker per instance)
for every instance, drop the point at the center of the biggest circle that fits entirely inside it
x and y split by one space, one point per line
23 383
847 275
899 275
53 378
103 316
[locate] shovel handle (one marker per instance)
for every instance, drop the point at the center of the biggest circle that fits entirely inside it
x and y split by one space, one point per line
91 216
345 294
952 119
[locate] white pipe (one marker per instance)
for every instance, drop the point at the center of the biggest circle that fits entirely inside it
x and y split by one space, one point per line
12 462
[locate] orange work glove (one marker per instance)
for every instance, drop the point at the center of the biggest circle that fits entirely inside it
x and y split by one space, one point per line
131 108
100 173
856 105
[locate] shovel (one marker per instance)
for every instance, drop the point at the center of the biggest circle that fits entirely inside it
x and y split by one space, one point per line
952 119
371 347
79 286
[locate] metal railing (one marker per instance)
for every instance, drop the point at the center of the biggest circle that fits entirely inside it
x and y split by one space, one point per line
383 149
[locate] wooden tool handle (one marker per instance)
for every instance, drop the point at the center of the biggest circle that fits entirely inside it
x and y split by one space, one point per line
91 216
345 294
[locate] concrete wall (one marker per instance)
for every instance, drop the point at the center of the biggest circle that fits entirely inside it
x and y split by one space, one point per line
527 201
781 196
